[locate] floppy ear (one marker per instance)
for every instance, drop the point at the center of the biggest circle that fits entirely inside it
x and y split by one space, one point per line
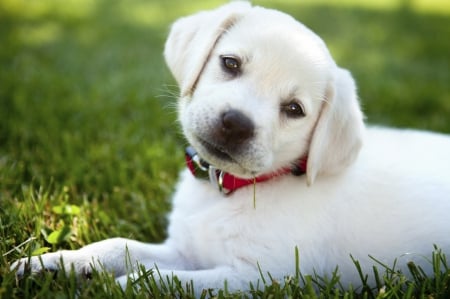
192 39
339 130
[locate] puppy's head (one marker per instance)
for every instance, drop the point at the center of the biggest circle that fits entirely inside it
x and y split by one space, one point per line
260 91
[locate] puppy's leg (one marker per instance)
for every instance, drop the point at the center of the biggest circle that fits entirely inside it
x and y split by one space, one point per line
117 255
216 278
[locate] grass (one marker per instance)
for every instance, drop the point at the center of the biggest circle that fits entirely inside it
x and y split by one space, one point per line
90 149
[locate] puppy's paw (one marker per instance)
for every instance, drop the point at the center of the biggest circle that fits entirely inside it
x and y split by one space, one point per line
123 281
36 264
136 280
53 262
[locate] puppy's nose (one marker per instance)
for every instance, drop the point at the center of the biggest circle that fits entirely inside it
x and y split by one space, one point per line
236 127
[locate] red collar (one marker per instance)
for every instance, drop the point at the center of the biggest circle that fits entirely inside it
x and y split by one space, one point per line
226 182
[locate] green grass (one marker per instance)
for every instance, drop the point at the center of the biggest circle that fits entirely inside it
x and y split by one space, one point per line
90 147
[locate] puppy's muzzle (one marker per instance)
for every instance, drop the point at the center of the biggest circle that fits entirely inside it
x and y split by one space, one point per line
231 133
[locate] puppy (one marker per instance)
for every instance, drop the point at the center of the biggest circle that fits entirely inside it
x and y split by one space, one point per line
280 159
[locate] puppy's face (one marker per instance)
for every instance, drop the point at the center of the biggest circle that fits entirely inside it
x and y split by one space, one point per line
258 96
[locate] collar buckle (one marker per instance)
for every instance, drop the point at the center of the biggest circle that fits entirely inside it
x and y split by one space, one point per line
216 177
202 169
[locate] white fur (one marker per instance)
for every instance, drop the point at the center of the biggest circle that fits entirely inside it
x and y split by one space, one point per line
367 191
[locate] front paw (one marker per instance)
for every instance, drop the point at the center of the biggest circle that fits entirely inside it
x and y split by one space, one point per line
36 264
53 262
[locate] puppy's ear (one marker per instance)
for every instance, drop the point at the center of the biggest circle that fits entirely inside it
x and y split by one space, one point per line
192 39
339 130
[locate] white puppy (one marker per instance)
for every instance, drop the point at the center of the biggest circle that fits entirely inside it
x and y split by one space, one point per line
278 128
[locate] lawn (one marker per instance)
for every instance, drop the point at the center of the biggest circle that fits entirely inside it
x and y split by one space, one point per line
90 147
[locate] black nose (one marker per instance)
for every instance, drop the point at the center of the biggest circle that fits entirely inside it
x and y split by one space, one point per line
236 127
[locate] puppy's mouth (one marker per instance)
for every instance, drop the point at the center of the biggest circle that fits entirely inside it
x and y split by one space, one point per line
225 159
216 151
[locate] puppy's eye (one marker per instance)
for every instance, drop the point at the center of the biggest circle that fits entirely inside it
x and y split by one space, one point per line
293 109
231 64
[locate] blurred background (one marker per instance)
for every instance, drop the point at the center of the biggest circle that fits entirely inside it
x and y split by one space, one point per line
87 105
